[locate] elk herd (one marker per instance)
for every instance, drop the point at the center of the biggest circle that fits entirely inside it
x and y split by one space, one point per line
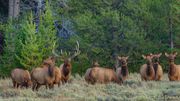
48 74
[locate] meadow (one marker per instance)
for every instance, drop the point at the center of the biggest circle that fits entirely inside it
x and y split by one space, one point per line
78 90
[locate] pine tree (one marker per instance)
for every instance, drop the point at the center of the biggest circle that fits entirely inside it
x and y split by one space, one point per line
30 55
7 60
47 31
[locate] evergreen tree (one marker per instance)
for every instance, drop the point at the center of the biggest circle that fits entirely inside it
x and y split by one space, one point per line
30 54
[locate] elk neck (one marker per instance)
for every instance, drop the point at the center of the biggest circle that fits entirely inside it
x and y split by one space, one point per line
149 68
155 66
66 68
172 68
50 70
124 70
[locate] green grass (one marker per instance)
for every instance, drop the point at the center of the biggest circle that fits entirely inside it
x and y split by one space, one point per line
78 90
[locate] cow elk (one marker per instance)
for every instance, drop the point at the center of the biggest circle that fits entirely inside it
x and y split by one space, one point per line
44 75
21 78
123 70
147 70
174 70
87 76
157 67
102 75
58 76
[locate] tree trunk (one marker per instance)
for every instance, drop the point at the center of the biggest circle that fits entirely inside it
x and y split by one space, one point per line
11 5
14 8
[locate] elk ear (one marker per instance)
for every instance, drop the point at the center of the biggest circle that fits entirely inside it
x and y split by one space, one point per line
144 56
166 54
69 59
175 53
53 58
127 57
119 58
159 55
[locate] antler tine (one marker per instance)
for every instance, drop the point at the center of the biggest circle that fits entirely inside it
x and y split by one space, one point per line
77 52
53 50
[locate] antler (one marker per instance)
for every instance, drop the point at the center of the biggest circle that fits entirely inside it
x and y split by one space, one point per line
77 52
63 55
53 50
56 54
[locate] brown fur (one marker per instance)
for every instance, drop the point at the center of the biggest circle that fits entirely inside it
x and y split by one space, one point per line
57 76
174 70
147 70
157 67
123 71
44 75
87 76
21 78
65 69
103 75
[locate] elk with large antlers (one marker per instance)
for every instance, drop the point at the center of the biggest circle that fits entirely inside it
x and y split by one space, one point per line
66 67
174 70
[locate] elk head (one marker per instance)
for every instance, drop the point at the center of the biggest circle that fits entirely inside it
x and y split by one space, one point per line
95 64
50 60
156 57
171 56
148 57
123 60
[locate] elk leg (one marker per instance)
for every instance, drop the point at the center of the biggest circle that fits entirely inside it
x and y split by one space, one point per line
14 84
46 86
17 85
34 86
37 87
52 85
59 84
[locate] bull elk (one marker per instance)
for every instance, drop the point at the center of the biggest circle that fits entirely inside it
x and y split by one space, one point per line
21 78
174 70
147 70
44 75
66 67
157 67
123 70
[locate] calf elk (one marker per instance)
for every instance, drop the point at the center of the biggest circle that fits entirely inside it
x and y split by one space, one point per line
147 70
174 70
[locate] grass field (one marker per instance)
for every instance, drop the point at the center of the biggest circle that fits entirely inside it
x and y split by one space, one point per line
78 90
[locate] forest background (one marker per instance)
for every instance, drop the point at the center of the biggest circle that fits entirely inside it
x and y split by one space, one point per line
103 28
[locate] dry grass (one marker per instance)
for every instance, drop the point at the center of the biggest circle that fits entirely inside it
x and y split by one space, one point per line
78 90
